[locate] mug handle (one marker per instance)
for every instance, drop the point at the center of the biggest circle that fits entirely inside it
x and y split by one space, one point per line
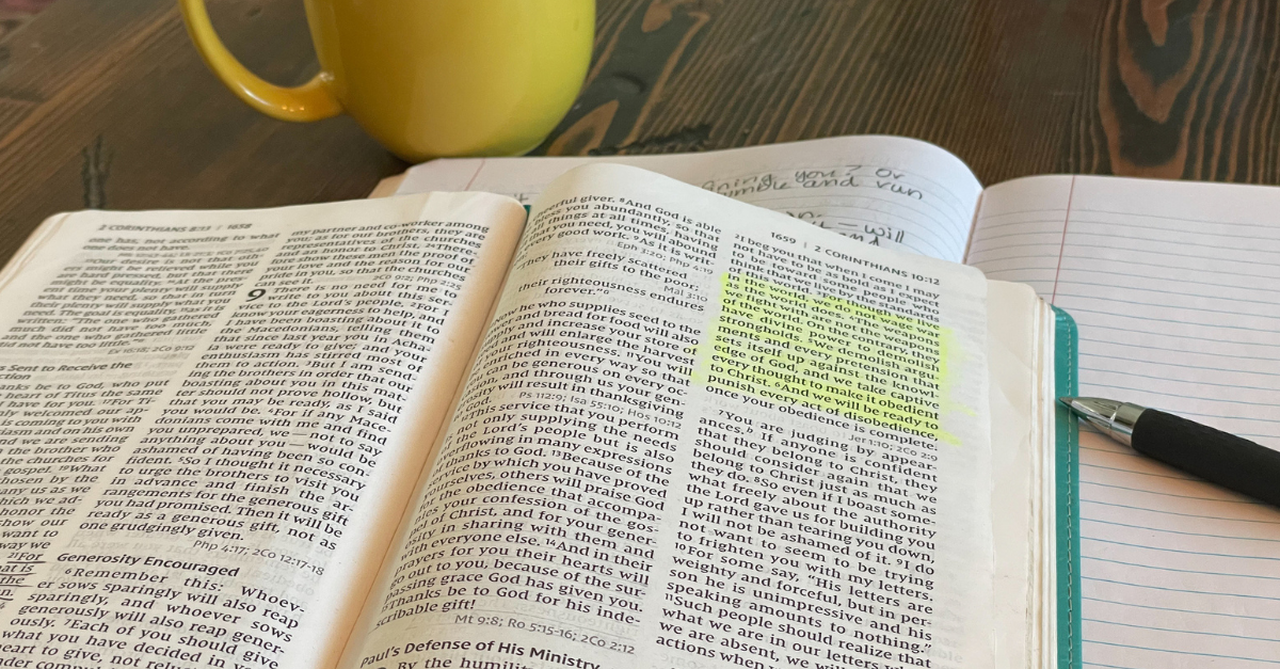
311 101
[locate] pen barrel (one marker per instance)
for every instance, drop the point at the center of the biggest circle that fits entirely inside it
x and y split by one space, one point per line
1213 455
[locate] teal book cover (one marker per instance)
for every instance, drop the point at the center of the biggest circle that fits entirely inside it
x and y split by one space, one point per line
1066 380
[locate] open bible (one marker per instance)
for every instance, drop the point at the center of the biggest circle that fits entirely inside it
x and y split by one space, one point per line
1176 292
640 424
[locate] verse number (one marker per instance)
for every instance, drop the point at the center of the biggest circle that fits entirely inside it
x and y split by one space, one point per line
256 293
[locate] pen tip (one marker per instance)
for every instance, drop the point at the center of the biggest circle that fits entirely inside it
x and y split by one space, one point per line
1066 401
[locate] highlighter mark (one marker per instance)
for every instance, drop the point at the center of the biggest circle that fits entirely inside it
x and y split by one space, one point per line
828 354
951 358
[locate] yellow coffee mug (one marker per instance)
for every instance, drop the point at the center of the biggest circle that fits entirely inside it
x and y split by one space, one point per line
428 78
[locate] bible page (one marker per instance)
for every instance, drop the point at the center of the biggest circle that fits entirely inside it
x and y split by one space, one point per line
698 434
1021 346
1174 289
889 191
207 434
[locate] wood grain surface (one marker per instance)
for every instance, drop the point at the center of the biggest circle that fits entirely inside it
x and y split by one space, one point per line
106 104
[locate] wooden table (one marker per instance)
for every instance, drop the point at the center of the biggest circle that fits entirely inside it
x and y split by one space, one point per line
106 104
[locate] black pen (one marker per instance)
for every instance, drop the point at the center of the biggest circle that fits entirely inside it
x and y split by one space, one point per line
1213 455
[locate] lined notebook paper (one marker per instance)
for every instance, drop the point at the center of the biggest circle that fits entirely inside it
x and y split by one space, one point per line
1176 291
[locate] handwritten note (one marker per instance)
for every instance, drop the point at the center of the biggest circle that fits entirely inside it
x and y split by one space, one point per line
887 191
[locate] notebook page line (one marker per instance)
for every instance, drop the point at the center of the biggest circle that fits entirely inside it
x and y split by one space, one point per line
1062 246
1198 654
1183 571
1187 515
1166 550
1207 613
1162 494
479 169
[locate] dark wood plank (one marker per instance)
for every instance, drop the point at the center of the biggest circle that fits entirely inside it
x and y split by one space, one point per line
1003 84
106 104
1161 88
1187 89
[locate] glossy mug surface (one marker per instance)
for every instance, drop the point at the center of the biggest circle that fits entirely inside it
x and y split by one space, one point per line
428 78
